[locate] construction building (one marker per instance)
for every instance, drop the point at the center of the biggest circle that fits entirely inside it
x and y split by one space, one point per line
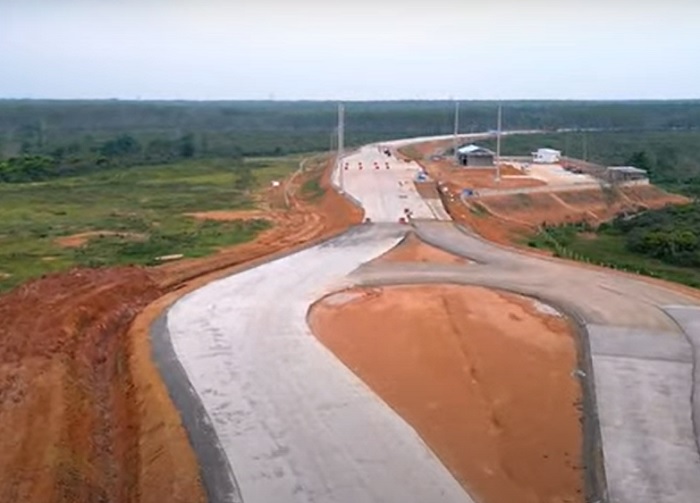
619 174
546 156
475 156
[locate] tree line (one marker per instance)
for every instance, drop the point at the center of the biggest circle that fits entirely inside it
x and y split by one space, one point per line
76 159
35 125
41 139
671 234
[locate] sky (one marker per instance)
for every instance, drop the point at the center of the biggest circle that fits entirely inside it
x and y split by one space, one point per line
350 50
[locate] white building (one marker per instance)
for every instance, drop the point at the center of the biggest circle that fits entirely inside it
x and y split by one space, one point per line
546 156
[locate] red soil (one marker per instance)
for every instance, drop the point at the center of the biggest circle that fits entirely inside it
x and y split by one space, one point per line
484 377
478 178
413 249
70 418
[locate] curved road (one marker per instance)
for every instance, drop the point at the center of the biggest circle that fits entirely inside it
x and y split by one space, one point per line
293 422
295 425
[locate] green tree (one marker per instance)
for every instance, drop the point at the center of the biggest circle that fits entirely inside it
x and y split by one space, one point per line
186 147
122 146
641 160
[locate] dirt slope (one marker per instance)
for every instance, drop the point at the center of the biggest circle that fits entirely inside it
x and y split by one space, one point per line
69 403
508 219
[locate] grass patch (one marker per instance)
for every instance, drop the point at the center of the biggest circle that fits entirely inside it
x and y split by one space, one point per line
311 189
193 239
149 200
575 241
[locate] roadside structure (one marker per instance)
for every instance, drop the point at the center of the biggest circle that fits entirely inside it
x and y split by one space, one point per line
475 156
619 174
546 156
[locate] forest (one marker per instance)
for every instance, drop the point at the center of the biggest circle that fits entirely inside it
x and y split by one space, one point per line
40 140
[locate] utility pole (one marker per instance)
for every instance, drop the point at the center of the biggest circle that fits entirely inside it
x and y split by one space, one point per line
341 143
585 146
456 132
498 144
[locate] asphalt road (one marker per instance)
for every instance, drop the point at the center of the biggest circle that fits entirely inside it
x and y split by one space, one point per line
296 425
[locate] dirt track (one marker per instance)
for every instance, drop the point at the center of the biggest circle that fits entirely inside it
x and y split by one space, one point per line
484 377
84 415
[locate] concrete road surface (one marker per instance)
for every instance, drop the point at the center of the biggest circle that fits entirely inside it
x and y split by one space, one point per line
293 422
296 425
383 185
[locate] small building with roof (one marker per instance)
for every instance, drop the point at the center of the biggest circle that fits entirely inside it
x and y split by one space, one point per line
618 174
475 156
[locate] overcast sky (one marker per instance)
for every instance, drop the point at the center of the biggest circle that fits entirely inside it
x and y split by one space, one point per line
352 49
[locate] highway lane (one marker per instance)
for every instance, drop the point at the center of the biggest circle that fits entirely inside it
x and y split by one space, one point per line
383 185
295 424
269 387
